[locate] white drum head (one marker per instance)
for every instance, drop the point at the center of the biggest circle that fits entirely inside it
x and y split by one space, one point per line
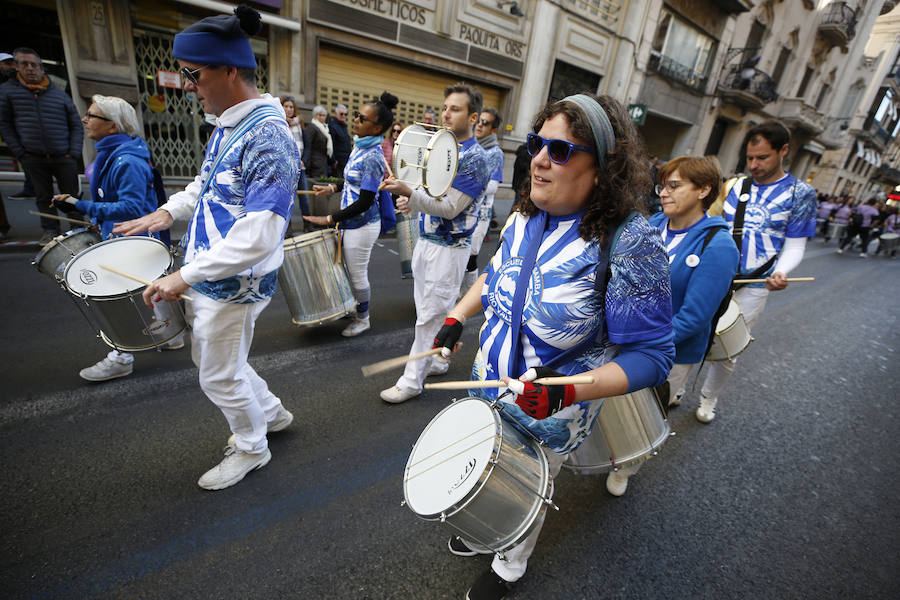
409 154
142 256
450 456
441 163
890 236
730 316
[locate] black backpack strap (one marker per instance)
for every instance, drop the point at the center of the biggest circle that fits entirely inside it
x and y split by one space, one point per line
737 231
603 271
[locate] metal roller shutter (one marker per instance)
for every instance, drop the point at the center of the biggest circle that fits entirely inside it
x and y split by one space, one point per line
352 78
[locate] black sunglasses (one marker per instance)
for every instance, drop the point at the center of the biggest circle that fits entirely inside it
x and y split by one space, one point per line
89 115
559 151
486 122
362 118
191 75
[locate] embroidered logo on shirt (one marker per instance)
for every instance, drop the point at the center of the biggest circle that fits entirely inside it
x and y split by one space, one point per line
501 297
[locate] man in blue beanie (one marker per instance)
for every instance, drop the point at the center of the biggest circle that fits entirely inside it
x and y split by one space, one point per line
238 208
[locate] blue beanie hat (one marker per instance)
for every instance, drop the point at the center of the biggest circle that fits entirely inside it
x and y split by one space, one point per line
220 40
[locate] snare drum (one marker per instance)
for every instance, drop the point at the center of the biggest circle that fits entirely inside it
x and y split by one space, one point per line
315 288
426 157
53 258
732 334
629 430
407 236
477 473
113 304
889 241
835 230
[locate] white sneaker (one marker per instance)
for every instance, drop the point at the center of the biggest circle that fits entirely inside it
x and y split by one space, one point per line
233 468
707 410
176 343
616 483
676 399
106 369
356 327
394 395
281 421
863 255
438 367
840 250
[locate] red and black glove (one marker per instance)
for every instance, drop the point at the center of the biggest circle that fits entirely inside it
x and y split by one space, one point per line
448 336
540 401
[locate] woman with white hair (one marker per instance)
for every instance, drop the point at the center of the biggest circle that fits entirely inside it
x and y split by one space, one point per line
321 148
121 189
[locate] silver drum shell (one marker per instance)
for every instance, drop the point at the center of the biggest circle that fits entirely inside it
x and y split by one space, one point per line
510 496
315 288
629 430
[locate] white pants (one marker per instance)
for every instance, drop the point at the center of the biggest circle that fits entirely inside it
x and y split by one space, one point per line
221 335
677 377
481 229
752 302
437 274
516 558
357 246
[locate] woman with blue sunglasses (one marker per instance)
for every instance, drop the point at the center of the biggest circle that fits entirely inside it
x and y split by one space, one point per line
581 309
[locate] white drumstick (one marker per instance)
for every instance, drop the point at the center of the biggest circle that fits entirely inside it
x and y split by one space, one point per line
138 279
496 383
387 365
763 280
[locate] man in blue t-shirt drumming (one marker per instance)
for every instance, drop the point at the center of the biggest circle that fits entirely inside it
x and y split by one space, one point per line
445 237
780 214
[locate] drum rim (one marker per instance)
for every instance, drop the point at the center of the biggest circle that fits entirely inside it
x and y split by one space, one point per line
467 498
308 239
49 246
119 295
428 150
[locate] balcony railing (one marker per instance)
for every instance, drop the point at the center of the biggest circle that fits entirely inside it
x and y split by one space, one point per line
838 23
889 174
748 87
676 71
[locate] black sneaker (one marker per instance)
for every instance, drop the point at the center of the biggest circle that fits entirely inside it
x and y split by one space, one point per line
489 586
458 547
22 194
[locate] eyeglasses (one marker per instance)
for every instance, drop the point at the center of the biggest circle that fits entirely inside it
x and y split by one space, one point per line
486 122
362 118
88 116
191 74
559 151
669 186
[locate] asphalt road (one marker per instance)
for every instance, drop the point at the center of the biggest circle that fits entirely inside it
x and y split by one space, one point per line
790 493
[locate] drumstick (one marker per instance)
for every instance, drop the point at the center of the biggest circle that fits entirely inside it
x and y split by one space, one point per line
40 214
387 365
388 165
138 279
306 192
496 383
763 280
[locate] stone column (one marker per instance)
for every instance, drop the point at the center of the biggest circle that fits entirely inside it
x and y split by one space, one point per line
99 49
538 67
286 55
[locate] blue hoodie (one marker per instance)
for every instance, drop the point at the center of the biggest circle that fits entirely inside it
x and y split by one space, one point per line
699 282
124 184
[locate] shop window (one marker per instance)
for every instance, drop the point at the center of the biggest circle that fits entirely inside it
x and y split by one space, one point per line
681 52
569 79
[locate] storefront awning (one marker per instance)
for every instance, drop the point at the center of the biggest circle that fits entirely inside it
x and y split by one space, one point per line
228 8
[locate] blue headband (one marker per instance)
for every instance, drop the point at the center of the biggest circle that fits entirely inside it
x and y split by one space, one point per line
604 137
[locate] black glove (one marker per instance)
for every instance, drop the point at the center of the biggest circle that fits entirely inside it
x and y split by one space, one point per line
448 336
65 207
540 401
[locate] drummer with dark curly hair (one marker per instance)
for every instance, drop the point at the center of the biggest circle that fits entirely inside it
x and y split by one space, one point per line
446 226
582 308
238 208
